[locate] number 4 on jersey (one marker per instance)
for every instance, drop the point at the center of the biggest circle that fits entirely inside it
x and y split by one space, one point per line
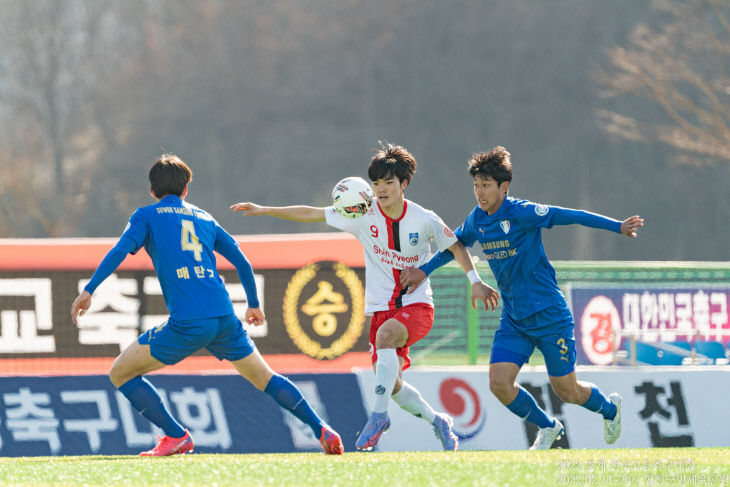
190 240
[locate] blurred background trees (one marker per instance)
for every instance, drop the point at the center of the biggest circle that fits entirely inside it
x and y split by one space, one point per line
681 67
600 104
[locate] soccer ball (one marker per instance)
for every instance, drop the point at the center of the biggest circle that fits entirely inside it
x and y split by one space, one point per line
352 197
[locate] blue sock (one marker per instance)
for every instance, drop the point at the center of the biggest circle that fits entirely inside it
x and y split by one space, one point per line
600 404
284 392
526 408
147 401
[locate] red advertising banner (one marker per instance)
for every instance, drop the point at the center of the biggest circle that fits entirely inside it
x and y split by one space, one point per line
283 251
310 286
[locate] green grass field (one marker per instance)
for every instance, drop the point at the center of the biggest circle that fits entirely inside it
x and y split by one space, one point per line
672 466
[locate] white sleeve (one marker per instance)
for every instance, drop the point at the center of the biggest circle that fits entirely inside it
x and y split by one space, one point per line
442 234
334 219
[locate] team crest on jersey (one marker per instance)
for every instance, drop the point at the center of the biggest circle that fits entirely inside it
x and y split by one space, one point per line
504 225
413 238
541 210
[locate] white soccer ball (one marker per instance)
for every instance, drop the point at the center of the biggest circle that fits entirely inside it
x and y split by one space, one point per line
352 197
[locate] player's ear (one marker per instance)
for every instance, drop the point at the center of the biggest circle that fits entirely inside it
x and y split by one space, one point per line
184 192
505 187
152 193
403 185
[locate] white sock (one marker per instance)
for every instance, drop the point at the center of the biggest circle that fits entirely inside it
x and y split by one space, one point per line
386 373
410 400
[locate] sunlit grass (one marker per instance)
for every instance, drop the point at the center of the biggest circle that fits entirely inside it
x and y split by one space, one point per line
676 466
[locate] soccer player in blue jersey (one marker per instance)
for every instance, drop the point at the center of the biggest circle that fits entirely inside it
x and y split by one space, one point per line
534 310
180 239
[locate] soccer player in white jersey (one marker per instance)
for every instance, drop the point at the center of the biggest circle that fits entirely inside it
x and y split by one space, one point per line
396 235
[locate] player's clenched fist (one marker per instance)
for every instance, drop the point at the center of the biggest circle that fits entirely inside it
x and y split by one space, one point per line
254 316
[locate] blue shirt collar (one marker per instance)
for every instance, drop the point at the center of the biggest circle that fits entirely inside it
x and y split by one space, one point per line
171 199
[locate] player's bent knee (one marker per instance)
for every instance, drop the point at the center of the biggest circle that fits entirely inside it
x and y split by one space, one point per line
392 334
570 396
501 388
261 381
258 376
387 339
120 374
117 377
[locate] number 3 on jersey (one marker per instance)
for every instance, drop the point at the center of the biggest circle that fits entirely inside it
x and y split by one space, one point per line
190 241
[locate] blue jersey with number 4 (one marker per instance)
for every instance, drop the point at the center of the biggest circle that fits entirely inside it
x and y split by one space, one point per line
180 239
511 241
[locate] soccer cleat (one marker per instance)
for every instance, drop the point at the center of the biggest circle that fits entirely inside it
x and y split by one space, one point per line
547 436
168 445
612 427
331 441
442 424
376 426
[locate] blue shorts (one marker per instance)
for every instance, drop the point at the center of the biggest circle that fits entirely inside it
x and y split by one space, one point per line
550 330
174 340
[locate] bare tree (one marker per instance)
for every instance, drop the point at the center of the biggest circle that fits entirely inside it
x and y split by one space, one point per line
680 68
48 142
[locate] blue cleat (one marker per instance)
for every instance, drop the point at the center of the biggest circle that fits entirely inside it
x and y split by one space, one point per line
442 424
376 426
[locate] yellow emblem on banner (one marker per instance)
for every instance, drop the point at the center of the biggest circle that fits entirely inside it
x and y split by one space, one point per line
332 313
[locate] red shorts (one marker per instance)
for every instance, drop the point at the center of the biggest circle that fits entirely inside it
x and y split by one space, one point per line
418 320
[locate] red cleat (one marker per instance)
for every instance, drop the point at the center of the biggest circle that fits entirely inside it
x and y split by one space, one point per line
331 441
168 445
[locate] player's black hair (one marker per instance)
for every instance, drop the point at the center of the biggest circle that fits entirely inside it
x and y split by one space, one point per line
495 163
392 160
169 175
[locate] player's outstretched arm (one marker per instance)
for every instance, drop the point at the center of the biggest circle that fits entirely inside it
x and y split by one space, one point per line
228 248
631 225
299 213
109 264
479 291
569 216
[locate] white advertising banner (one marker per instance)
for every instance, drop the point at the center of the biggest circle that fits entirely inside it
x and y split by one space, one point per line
667 407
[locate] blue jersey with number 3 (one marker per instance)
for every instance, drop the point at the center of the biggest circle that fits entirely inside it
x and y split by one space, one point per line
180 239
